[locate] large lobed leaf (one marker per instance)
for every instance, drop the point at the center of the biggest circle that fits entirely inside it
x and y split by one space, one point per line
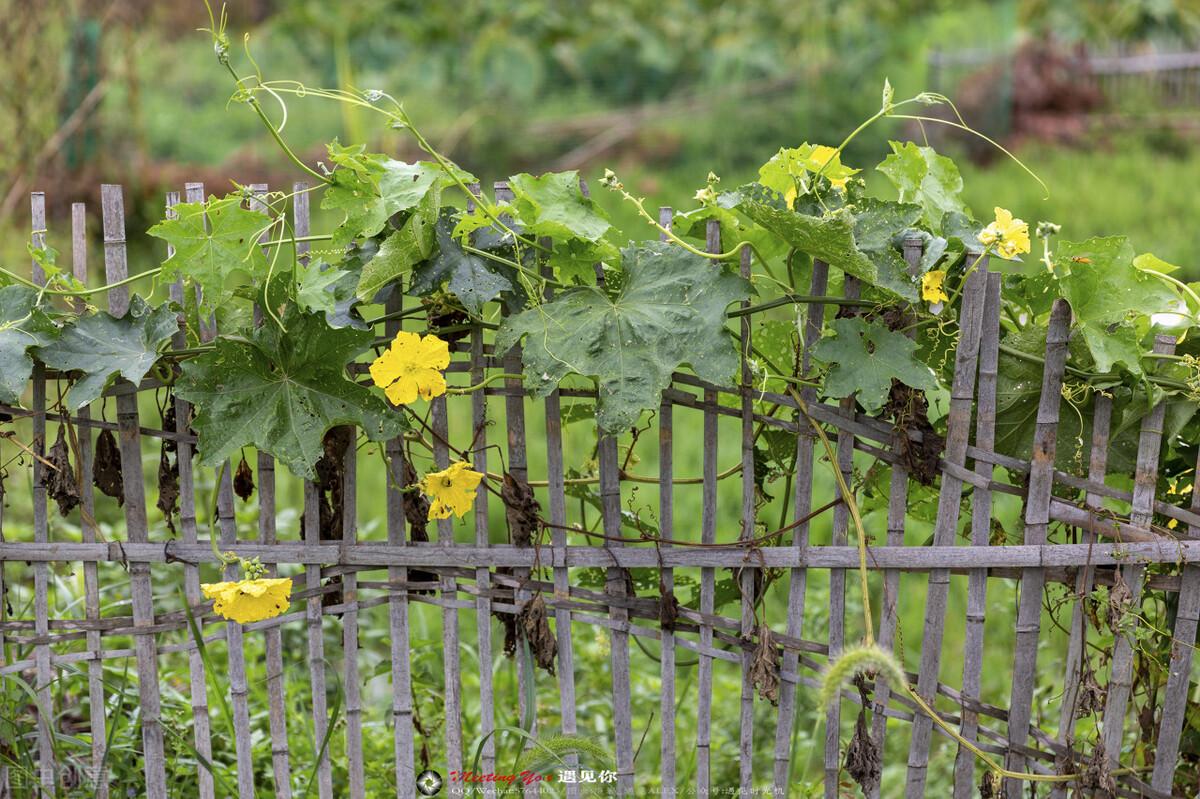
102 347
554 205
23 326
864 358
925 178
213 241
474 280
280 392
834 236
1111 298
669 310
370 188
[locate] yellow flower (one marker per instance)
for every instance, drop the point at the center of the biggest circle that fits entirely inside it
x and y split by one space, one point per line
250 600
1011 236
837 174
411 368
789 197
452 490
931 286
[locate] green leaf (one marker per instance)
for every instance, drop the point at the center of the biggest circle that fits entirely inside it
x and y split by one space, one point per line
1108 293
474 280
1018 393
280 392
330 290
791 167
23 325
669 310
402 250
864 357
208 255
553 205
831 238
102 347
926 178
370 188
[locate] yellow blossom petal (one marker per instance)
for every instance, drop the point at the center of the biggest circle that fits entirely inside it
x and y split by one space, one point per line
789 196
932 286
248 601
412 367
451 490
1010 235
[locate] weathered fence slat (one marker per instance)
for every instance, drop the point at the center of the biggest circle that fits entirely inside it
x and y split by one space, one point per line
1145 479
272 637
666 526
851 289
1179 670
514 420
708 535
1037 517
748 577
198 685
958 431
312 571
91 577
47 768
449 587
896 516
981 531
1077 645
351 684
802 501
116 269
402 709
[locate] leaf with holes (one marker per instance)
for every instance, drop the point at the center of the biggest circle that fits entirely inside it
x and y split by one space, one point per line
926 178
370 188
863 359
669 310
474 280
102 347
23 326
1111 298
213 242
402 250
553 205
832 237
280 392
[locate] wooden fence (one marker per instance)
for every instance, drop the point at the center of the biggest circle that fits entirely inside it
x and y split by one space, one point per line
345 577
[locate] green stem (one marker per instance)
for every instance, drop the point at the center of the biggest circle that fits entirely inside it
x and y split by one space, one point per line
795 299
477 386
81 292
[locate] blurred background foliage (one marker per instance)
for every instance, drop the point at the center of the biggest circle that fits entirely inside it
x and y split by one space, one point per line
128 91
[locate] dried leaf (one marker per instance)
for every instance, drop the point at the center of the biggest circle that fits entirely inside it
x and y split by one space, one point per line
668 605
243 480
1091 695
909 411
764 666
1120 598
535 629
520 509
106 467
416 511
60 476
1096 778
168 484
864 757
